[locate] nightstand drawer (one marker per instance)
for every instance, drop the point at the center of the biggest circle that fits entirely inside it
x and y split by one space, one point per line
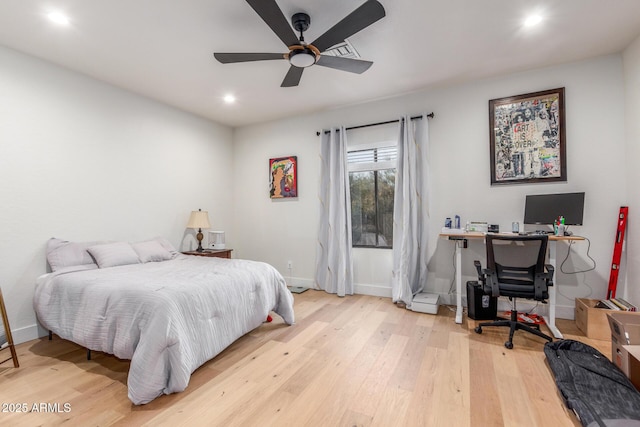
215 253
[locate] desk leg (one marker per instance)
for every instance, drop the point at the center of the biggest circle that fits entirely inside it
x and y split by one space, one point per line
459 244
550 319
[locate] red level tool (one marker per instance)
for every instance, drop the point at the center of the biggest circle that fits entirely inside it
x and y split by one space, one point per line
617 251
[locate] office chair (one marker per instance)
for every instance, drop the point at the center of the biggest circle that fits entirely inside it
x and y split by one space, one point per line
516 269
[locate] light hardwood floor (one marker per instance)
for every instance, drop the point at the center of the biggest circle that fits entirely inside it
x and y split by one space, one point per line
353 361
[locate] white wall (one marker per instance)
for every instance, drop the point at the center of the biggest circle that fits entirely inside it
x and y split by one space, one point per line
82 160
276 231
631 60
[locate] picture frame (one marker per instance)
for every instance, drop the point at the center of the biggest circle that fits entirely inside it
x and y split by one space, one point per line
283 177
527 137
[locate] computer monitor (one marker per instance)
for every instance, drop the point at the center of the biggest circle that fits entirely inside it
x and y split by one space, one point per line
546 208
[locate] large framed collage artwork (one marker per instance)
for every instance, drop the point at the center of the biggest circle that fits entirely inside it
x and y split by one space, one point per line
527 138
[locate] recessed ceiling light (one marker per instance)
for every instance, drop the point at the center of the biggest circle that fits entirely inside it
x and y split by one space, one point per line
58 18
532 20
229 99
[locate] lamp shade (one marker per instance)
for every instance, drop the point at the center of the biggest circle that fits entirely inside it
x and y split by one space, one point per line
199 219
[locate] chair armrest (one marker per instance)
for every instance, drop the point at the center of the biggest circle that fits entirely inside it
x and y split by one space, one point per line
542 282
492 279
478 266
550 272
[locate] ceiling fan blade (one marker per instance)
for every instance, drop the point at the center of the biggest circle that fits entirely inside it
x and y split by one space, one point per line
345 64
293 77
273 17
228 58
370 12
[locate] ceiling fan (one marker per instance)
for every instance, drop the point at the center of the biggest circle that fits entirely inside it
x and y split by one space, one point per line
302 54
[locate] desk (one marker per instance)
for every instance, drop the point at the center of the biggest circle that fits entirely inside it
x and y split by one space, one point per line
460 240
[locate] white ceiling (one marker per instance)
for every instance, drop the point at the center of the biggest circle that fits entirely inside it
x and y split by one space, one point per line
163 49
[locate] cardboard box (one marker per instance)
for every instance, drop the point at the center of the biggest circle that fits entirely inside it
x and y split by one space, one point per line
592 321
625 332
634 364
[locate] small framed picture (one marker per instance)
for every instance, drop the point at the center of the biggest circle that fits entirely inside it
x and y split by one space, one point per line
283 181
527 138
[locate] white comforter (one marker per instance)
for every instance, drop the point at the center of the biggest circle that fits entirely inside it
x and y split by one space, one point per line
167 317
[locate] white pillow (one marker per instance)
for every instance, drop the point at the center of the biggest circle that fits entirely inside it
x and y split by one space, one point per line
167 245
113 254
63 253
151 251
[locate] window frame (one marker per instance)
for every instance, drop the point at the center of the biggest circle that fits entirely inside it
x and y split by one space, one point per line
374 166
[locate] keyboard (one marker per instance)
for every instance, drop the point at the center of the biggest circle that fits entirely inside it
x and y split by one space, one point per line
535 233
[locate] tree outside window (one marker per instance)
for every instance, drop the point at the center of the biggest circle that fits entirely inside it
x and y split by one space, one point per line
372 184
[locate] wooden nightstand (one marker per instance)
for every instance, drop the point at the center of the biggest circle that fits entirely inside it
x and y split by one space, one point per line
216 253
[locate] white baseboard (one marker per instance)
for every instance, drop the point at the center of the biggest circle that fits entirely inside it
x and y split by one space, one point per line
27 333
372 290
300 281
358 288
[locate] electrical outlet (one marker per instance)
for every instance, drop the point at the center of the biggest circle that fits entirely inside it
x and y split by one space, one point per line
289 265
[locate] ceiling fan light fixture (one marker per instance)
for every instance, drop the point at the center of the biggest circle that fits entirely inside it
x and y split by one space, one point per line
302 58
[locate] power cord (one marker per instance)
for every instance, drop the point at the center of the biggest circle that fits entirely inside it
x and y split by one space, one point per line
452 285
533 308
588 256
578 271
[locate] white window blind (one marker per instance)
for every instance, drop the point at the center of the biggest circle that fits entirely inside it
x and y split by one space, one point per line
374 156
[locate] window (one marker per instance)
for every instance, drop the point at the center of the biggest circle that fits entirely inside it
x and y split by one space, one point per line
372 177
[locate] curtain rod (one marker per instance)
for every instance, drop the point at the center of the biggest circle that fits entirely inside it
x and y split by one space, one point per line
430 115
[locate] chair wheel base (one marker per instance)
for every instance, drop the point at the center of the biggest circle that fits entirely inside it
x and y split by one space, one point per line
478 329
509 345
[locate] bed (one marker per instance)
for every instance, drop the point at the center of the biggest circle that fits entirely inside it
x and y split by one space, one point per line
166 312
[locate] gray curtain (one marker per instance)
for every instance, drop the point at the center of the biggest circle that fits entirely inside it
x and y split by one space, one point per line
334 268
411 211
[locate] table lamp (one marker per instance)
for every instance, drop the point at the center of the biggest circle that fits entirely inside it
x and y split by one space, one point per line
198 220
